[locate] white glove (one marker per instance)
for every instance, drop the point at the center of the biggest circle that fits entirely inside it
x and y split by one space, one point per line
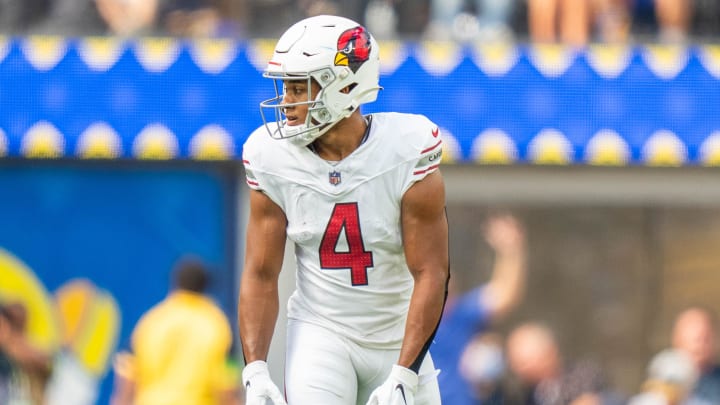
258 385
398 389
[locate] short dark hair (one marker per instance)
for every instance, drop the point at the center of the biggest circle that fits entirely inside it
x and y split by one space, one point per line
191 275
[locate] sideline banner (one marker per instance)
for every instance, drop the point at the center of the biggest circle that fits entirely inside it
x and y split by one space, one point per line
162 98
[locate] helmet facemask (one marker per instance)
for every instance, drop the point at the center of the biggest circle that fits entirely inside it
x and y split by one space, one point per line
318 119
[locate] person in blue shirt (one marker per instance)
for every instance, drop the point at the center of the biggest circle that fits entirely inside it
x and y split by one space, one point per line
468 314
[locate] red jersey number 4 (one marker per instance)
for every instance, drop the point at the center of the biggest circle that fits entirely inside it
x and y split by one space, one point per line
345 217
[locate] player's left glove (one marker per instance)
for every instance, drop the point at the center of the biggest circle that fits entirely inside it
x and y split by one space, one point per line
398 389
259 388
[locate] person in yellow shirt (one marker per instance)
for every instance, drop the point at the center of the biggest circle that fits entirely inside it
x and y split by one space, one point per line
179 350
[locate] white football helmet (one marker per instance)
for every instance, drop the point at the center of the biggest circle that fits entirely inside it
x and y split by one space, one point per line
335 52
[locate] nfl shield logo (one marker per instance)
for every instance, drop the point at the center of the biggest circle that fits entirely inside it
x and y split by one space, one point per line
334 177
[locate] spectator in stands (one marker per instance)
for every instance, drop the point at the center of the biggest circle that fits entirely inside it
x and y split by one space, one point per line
311 8
198 19
612 19
129 18
695 333
490 22
71 18
24 369
566 21
17 17
179 350
673 18
545 378
482 365
671 377
474 311
667 20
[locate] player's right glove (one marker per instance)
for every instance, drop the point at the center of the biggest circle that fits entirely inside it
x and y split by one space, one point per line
398 389
258 385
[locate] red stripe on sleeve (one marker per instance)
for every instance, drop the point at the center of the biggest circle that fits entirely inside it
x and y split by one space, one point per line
431 148
433 167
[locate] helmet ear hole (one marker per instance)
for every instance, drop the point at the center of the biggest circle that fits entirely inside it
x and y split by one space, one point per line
347 89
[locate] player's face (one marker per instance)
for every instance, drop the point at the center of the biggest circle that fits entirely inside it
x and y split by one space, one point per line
298 91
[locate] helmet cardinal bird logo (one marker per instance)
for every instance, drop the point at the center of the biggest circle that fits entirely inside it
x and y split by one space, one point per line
353 48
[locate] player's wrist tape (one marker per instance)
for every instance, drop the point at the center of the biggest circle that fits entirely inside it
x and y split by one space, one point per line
253 369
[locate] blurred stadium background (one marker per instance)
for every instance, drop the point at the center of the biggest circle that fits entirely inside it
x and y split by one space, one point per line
120 155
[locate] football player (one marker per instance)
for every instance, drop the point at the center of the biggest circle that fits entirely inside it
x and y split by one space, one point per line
363 200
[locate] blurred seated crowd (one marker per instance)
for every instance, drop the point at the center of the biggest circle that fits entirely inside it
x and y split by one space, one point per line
574 22
124 18
504 361
530 367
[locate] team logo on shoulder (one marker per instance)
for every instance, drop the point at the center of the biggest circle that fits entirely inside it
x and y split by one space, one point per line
353 48
334 177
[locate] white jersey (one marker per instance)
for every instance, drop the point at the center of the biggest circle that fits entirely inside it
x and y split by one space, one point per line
344 218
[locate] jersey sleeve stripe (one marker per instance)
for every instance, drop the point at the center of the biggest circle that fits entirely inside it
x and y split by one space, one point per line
252 183
431 148
433 167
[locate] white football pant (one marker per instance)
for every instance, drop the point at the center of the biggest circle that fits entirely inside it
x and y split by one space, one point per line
324 368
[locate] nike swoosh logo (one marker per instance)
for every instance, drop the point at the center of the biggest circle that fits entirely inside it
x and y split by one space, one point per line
435 132
402 391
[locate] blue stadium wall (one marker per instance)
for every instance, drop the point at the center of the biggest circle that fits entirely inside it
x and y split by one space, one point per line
118 157
161 98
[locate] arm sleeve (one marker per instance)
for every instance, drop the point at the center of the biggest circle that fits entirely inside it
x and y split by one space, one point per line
252 159
257 177
427 152
250 178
